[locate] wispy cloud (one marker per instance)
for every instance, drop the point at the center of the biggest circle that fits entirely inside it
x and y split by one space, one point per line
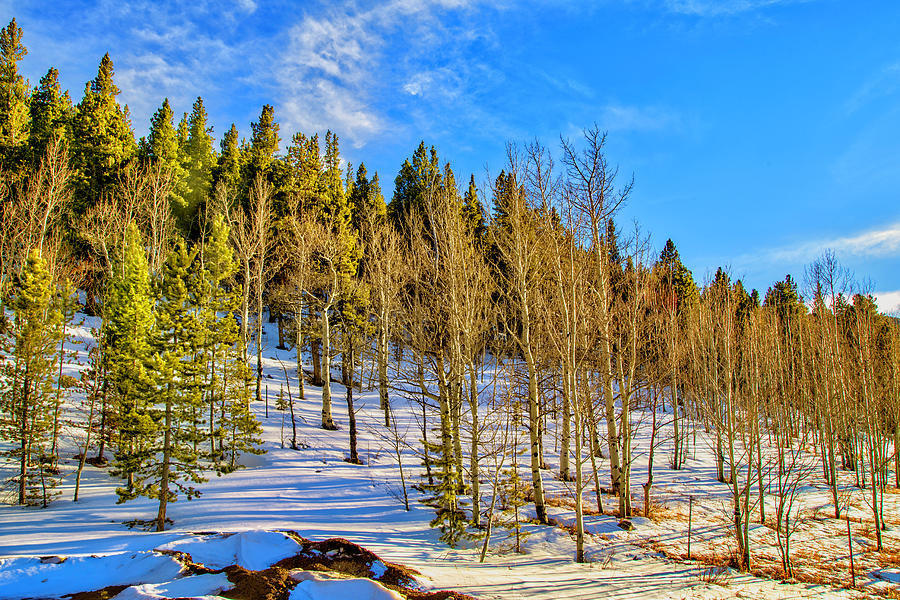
619 117
160 49
718 8
885 82
342 62
247 6
875 243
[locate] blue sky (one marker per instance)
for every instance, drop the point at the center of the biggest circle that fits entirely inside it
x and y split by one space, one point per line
759 132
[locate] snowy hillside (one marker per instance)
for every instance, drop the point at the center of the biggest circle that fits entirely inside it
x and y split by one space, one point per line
84 546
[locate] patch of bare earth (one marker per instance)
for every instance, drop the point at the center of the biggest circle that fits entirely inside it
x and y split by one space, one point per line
822 558
333 556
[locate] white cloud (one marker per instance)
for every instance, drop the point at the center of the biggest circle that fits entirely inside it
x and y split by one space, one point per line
341 63
884 83
247 6
874 243
888 301
617 117
718 8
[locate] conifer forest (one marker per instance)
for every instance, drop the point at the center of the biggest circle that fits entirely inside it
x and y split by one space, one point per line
183 312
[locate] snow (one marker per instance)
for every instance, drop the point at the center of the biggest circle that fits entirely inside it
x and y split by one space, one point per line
240 519
253 550
22 577
188 587
316 586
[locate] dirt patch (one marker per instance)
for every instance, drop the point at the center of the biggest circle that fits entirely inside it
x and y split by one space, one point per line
342 556
335 555
104 594
273 583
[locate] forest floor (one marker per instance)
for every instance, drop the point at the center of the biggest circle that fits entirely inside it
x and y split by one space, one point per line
314 492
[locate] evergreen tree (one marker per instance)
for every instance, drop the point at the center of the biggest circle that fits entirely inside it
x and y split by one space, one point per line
513 497
164 148
338 260
367 208
199 160
473 211
232 428
675 276
414 183
26 388
785 298
102 139
126 335
305 159
51 114
227 170
171 446
14 116
182 133
443 489
505 190
263 145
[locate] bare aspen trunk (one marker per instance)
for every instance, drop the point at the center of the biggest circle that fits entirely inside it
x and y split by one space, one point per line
473 455
351 413
446 421
566 438
24 438
259 332
677 457
534 430
87 445
298 346
649 484
454 389
316 351
166 460
579 486
382 358
612 436
327 419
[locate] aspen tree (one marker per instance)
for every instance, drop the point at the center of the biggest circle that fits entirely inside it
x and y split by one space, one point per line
592 183
519 271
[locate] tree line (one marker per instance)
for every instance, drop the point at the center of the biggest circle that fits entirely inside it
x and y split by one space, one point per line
510 317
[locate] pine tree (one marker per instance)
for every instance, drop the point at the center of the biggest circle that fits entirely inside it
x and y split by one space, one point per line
338 258
164 148
51 114
14 116
182 133
171 445
126 335
785 298
675 276
232 428
512 492
263 146
367 207
102 139
414 185
305 159
443 491
28 395
229 164
199 160
473 211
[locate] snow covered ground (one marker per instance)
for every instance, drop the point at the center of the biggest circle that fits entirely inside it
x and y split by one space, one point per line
314 492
